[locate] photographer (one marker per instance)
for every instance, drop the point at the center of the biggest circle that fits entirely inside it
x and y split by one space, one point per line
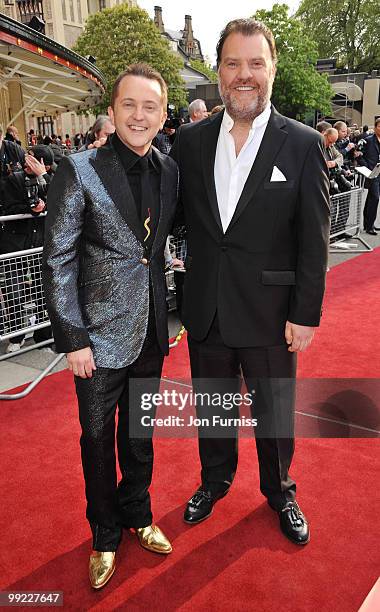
338 183
24 192
165 138
350 150
370 159
12 157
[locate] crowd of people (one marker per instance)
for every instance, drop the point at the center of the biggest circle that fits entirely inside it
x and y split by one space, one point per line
346 148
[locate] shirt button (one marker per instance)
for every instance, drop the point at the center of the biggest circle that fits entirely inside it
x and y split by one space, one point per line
144 261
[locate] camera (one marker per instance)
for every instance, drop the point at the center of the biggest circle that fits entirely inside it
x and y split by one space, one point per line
31 190
338 182
361 145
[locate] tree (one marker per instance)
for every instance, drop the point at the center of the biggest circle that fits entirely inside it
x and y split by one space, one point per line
204 69
348 30
298 87
121 36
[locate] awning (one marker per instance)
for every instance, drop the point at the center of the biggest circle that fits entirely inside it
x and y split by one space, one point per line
53 79
349 90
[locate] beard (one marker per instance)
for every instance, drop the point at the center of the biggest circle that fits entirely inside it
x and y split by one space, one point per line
245 111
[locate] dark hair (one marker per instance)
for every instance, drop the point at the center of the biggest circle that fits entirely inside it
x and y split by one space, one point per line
247 27
377 121
365 128
142 70
43 151
322 126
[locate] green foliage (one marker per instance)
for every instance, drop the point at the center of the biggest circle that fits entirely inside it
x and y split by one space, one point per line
348 30
205 69
298 87
121 36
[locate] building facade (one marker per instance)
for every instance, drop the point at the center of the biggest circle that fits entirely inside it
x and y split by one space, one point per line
41 79
184 43
356 95
64 22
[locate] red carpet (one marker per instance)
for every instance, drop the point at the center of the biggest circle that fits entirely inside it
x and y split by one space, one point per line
237 560
347 343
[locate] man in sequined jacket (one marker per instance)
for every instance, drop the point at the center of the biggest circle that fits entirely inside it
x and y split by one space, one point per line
110 210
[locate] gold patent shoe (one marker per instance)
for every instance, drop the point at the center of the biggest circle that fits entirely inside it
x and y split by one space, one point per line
153 539
101 568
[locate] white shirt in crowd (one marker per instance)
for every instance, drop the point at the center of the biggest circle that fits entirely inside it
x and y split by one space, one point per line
231 172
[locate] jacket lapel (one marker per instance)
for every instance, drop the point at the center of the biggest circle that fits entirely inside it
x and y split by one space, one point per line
111 172
273 139
165 211
209 140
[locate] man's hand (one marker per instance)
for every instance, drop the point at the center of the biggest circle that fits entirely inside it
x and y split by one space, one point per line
40 207
81 362
38 168
177 263
298 337
331 163
98 143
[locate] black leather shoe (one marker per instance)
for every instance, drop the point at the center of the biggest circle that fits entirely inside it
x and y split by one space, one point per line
293 523
377 229
371 232
200 506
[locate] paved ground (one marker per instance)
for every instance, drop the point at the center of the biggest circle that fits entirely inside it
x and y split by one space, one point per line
23 368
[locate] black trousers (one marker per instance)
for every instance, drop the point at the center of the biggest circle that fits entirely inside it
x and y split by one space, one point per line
371 203
270 371
111 505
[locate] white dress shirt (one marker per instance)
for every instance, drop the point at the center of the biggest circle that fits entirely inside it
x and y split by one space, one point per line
231 172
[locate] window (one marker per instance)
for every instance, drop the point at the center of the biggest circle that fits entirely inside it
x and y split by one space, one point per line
29 9
71 5
79 2
45 125
64 14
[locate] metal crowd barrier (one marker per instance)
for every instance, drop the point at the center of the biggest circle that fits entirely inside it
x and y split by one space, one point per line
22 304
177 248
22 301
346 214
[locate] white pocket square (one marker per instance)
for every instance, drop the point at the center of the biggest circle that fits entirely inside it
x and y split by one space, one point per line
277 175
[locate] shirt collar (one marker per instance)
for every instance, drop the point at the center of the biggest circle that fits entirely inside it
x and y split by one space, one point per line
128 157
260 120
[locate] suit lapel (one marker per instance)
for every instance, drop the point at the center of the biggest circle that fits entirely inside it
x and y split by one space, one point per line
111 172
166 181
272 141
209 141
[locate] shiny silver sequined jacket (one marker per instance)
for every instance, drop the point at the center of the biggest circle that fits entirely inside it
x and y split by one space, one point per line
96 287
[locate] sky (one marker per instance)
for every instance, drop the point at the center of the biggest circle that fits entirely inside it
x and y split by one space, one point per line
208 17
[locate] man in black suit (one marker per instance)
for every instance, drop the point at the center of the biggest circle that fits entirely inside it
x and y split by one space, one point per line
371 157
110 210
254 190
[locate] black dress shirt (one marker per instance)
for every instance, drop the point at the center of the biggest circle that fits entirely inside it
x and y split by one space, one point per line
135 174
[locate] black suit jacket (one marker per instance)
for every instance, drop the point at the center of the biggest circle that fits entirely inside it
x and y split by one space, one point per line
371 153
270 264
